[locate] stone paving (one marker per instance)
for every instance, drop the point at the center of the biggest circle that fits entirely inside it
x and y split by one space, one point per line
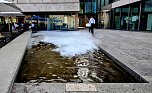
130 50
133 49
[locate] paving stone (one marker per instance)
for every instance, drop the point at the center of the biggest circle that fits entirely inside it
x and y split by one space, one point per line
81 87
132 49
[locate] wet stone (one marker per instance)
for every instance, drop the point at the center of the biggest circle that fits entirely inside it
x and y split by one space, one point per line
42 64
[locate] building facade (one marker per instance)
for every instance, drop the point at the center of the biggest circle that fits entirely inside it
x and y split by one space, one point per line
132 15
57 14
69 14
92 8
118 14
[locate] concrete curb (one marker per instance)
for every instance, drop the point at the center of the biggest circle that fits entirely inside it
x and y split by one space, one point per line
10 59
132 73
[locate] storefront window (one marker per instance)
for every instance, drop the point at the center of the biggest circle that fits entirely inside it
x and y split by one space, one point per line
87 6
81 7
61 22
102 3
148 6
99 5
90 6
148 14
134 16
58 22
124 17
117 18
106 2
146 17
94 7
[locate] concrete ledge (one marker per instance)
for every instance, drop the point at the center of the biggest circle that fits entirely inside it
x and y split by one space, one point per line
100 88
132 72
10 59
124 88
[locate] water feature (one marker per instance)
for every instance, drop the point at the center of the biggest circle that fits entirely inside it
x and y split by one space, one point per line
42 64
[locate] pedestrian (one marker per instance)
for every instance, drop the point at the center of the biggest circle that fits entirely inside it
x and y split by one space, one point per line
33 27
92 22
16 26
88 25
13 27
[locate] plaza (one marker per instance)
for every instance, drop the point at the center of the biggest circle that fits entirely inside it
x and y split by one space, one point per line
61 56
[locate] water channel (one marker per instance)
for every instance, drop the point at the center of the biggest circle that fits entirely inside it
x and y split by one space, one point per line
41 64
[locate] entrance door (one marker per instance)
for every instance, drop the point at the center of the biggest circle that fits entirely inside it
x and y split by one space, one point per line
71 22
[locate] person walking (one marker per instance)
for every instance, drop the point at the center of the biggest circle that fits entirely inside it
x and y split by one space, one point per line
92 22
33 27
16 26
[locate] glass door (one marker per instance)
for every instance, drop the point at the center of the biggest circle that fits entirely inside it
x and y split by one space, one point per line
58 22
124 17
61 22
117 18
134 16
71 22
149 22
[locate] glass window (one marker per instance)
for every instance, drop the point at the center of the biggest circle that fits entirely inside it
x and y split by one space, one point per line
110 1
124 17
148 6
146 22
81 7
63 22
94 7
87 6
117 18
90 6
106 2
102 3
134 17
99 5
149 22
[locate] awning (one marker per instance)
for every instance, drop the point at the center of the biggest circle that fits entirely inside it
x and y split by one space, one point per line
123 2
6 6
11 14
36 18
